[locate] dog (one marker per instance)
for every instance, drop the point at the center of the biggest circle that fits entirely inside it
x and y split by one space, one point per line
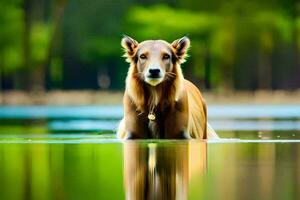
158 101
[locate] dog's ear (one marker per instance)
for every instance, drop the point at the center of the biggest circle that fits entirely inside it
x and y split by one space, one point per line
181 47
130 46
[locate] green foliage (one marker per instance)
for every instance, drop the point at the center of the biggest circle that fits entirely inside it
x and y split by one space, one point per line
39 41
298 31
12 58
100 47
216 36
165 22
56 70
12 38
274 23
11 35
232 42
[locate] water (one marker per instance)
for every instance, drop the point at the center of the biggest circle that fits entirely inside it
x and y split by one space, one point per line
71 153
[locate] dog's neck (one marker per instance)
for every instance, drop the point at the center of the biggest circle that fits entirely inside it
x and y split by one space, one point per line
149 98
154 97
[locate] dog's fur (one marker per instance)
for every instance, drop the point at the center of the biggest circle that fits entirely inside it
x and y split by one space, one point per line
179 108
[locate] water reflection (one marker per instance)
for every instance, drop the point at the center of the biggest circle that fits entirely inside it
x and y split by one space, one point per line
165 169
158 171
60 171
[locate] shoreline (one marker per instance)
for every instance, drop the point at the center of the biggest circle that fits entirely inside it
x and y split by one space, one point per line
92 97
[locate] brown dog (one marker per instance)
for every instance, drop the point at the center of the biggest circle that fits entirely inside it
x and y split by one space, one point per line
158 101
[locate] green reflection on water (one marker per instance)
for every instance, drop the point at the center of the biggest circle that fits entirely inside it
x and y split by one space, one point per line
60 171
156 169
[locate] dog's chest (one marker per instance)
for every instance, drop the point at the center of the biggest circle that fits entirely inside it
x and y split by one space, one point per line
156 116
154 129
156 121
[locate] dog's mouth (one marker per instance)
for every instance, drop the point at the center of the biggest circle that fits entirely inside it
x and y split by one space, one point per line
154 81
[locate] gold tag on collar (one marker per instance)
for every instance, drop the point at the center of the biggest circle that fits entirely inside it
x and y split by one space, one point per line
151 116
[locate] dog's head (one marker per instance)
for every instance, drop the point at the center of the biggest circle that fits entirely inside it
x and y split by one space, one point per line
155 59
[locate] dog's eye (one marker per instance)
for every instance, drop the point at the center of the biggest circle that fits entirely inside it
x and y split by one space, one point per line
166 56
143 56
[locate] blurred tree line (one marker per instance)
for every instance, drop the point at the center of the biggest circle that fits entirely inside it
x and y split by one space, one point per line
236 45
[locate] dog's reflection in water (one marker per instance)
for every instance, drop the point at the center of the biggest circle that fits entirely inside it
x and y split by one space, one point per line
161 170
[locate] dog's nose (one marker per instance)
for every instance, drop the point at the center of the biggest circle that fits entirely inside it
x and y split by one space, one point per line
154 73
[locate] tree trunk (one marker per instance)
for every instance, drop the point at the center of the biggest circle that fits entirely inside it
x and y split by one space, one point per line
264 71
57 19
265 63
1 78
207 64
26 46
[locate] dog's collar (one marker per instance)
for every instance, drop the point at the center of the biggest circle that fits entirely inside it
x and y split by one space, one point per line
151 116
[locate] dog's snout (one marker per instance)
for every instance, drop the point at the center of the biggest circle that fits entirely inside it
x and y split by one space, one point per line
154 73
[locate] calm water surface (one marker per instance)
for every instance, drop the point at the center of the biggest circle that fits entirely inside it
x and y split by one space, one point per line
72 153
